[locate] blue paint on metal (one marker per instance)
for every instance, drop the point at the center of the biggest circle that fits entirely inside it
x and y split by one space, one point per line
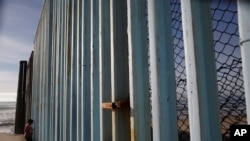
138 71
201 74
74 69
95 84
86 72
163 87
105 69
119 69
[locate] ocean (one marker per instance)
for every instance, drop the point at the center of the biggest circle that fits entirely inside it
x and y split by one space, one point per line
7 117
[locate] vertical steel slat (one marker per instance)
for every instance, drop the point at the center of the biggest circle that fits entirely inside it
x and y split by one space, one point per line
95 99
201 75
60 74
80 74
34 103
62 70
43 77
51 78
42 86
48 71
44 91
105 71
44 82
68 59
119 69
37 110
41 91
39 84
86 70
51 99
138 71
163 87
64 90
79 95
74 69
34 83
244 30
57 72
53 65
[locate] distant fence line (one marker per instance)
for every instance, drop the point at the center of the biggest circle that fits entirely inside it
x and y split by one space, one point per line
24 95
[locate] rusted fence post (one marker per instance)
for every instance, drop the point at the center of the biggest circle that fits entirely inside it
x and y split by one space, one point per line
20 104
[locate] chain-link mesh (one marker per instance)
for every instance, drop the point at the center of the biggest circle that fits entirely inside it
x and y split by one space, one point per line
228 65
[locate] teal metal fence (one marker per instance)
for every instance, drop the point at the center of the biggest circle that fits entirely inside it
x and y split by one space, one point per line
137 70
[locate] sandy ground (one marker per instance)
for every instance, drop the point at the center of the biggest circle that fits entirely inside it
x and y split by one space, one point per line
225 122
225 125
11 137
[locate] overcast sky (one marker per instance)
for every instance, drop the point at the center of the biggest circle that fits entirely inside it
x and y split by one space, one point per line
18 23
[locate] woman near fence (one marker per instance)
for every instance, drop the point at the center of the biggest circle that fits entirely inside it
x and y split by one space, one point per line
28 130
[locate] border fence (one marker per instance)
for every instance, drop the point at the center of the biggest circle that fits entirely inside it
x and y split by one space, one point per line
140 70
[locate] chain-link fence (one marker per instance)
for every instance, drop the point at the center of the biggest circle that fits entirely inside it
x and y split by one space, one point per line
228 65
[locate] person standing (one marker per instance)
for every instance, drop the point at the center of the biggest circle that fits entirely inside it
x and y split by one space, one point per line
28 130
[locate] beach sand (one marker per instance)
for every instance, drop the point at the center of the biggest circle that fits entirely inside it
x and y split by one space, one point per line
11 137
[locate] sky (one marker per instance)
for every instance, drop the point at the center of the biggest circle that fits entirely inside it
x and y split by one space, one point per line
18 24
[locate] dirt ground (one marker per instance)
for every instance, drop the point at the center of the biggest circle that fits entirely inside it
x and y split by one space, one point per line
11 137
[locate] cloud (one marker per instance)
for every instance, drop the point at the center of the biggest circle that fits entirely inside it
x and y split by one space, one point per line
12 50
20 18
18 23
8 81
